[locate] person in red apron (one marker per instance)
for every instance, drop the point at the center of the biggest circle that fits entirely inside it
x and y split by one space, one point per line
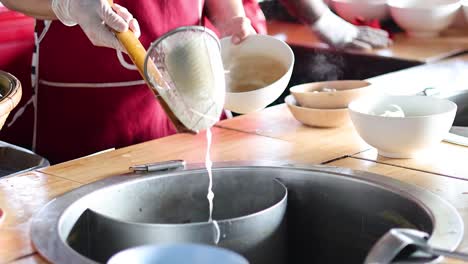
86 101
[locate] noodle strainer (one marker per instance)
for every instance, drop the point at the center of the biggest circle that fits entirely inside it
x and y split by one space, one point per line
185 71
185 67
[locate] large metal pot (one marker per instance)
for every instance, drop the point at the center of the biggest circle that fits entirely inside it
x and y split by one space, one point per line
333 215
10 95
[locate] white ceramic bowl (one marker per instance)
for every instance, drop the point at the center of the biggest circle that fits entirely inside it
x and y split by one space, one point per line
427 121
257 45
424 18
367 9
177 253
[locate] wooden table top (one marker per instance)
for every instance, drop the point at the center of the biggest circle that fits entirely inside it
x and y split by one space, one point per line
42 188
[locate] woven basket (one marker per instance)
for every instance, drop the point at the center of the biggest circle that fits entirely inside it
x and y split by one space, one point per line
10 91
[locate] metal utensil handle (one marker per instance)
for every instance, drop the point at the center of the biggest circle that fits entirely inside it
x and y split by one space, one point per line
159 166
445 253
394 241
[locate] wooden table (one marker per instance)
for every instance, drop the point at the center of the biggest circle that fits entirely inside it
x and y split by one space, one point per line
21 196
271 134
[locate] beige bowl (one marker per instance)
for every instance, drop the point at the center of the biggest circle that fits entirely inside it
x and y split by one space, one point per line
317 117
10 91
309 94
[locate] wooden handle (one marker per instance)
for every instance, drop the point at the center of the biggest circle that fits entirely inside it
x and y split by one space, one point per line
137 54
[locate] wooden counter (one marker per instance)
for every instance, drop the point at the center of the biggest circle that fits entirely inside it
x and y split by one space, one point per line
449 43
21 196
271 134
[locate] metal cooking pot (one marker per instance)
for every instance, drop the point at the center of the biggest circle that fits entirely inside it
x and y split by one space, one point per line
334 215
249 211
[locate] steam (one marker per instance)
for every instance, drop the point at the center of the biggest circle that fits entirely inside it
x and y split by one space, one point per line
326 67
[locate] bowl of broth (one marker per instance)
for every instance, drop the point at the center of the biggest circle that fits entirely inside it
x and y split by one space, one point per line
257 72
330 94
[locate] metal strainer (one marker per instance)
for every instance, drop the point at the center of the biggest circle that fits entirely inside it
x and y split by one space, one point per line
185 67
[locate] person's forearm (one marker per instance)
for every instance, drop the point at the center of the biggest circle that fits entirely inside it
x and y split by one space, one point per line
221 10
36 8
307 11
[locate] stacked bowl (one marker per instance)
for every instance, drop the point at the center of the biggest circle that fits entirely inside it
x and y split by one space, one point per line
325 104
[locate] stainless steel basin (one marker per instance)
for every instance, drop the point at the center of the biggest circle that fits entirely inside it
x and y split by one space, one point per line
16 160
334 215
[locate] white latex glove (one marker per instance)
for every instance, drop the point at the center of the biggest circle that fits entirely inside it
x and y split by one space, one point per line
96 18
342 34
239 27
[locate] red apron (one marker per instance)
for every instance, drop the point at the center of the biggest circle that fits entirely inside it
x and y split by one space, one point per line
87 102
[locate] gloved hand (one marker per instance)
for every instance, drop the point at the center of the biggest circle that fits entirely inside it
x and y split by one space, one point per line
239 27
341 34
96 18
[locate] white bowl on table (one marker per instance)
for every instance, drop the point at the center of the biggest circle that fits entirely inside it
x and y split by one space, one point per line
366 9
256 45
424 18
426 121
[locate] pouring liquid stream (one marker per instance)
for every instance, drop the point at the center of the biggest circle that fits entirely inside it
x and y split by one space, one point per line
208 162
210 196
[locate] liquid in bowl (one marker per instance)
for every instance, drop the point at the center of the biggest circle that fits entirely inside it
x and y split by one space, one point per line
249 73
